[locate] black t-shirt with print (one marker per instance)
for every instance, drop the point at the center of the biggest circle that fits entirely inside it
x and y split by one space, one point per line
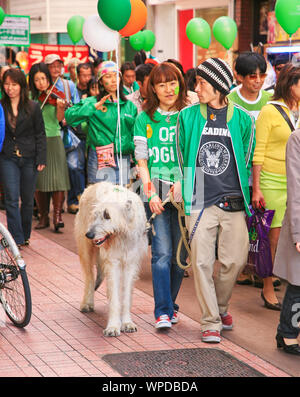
216 165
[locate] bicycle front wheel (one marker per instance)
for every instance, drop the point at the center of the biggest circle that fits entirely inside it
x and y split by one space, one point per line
15 293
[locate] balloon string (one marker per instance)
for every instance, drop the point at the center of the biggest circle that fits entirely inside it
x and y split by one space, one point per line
119 120
290 54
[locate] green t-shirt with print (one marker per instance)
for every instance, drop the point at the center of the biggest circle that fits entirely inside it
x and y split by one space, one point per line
161 140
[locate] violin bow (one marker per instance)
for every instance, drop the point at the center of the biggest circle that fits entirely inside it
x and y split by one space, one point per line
49 93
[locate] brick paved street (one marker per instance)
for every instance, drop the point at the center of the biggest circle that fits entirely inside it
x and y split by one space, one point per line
60 341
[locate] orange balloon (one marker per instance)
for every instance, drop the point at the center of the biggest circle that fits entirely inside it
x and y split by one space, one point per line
137 18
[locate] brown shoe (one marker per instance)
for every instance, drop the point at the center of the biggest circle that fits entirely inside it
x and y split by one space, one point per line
58 201
42 200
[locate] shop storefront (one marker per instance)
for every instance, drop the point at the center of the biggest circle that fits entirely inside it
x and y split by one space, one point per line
279 42
169 20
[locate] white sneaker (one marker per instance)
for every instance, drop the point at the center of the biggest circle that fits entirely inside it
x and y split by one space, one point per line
174 319
163 321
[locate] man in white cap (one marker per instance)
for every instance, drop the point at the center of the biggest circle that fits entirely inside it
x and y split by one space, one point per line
75 158
55 66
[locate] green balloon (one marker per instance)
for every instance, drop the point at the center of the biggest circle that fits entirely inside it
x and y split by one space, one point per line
198 32
137 41
288 15
74 28
114 13
2 15
149 40
225 31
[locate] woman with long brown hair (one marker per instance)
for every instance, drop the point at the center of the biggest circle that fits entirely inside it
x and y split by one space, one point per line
155 152
23 153
274 125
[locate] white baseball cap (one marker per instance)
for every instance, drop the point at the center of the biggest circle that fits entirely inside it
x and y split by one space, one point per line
52 58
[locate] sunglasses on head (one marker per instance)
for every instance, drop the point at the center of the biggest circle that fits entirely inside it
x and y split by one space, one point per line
254 76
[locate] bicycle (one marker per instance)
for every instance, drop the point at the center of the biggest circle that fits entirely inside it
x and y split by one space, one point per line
15 295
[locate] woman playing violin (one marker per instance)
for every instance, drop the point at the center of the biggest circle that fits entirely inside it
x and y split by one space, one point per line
54 179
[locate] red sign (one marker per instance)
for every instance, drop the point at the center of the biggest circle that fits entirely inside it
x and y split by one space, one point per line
37 53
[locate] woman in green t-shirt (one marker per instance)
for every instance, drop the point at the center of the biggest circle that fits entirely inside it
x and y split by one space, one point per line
155 152
54 179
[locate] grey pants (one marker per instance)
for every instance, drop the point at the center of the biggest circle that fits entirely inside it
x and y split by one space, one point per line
214 291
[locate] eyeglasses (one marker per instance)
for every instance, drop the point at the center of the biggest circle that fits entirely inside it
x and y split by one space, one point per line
254 76
55 65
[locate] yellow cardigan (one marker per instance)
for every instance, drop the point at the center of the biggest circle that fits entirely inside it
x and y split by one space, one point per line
272 133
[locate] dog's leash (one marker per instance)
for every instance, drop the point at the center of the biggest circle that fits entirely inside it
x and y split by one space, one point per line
184 232
153 216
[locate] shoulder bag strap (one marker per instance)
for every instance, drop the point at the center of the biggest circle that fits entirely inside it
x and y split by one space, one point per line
67 90
285 116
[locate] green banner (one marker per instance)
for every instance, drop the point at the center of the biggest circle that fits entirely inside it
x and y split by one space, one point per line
15 31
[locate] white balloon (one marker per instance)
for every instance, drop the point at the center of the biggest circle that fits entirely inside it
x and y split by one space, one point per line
98 35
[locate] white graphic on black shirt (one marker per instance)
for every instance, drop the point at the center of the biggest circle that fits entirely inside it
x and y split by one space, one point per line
214 158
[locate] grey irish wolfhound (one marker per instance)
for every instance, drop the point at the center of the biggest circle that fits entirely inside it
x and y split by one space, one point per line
110 231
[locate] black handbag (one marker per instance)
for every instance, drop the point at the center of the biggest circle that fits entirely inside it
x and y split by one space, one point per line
284 115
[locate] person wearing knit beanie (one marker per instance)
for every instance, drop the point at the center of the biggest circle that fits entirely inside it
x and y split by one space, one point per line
215 145
218 73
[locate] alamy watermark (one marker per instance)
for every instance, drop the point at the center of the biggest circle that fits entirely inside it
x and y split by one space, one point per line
296 316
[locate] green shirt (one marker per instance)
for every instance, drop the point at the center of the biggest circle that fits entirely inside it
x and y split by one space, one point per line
52 127
160 137
135 87
253 107
102 124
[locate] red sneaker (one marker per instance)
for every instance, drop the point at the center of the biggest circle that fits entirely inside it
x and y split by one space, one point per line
226 321
163 321
211 336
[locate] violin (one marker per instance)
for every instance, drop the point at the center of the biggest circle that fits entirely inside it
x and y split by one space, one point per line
51 95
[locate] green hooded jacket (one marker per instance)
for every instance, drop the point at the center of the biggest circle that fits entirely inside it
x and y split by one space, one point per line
190 124
102 124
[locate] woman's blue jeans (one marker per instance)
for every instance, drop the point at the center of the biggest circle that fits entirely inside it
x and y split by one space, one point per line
108 174
18 175
76 166
166 274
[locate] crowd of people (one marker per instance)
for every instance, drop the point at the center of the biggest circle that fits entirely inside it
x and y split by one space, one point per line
214 137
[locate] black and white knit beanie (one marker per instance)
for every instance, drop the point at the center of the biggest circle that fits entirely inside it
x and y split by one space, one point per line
218 73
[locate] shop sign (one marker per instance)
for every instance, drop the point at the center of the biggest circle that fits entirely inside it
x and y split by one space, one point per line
275 32
38 52
15 31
